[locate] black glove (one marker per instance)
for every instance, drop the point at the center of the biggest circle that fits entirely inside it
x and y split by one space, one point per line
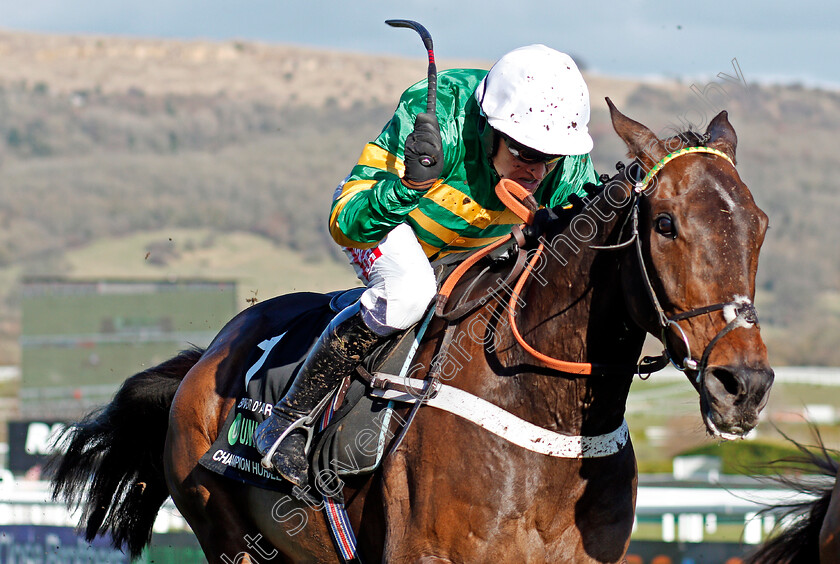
423 153
533 230
577 205
558 215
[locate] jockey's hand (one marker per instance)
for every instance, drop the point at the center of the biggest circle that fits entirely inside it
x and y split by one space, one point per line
559 216
536 228
577 204
423 153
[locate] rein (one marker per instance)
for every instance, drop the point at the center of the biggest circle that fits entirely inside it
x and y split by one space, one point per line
739 313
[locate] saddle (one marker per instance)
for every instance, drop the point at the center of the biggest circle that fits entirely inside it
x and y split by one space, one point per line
355 430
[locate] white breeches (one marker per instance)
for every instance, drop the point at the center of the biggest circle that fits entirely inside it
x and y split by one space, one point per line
400 281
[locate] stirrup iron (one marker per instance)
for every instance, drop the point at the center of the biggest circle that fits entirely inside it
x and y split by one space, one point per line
305 423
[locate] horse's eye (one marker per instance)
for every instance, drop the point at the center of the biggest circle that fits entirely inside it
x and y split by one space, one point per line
665 226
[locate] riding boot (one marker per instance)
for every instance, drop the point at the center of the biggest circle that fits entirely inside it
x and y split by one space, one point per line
284 438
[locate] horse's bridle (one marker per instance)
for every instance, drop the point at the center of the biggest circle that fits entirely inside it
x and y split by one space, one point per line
740 310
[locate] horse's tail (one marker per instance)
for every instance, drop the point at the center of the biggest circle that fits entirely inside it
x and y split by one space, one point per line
799 542
113 465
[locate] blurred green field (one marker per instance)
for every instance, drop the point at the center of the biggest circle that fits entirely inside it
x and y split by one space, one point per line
725 532
80 340
260 268
92 366
193 307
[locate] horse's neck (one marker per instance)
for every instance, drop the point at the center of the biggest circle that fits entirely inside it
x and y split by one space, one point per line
574 310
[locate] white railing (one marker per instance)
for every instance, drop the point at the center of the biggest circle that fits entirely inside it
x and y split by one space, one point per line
811 375
25 502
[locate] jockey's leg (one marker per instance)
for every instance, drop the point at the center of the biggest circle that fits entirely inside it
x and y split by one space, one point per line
337 353
400 286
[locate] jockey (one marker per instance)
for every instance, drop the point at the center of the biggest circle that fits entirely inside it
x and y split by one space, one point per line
397 213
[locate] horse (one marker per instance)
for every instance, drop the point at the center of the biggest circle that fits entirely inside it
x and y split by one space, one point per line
812 533
673 254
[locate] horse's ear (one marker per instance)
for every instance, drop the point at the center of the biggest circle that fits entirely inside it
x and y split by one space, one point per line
722 135
639 139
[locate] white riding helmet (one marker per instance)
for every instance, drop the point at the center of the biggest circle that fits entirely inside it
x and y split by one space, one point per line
538 97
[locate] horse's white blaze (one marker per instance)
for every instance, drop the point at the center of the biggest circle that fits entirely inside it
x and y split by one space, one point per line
727 198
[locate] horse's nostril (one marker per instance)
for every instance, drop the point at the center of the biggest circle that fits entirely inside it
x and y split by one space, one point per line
721 377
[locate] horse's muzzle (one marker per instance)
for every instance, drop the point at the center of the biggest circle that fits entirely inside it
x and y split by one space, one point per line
732 397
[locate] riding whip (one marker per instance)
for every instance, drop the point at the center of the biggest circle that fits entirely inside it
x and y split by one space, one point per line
431 96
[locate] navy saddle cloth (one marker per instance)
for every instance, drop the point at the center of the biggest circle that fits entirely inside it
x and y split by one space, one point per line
354 441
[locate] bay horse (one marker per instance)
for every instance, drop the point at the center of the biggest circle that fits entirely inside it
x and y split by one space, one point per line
674 255
813 533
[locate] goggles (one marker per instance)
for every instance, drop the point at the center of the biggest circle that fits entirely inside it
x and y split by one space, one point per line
528 155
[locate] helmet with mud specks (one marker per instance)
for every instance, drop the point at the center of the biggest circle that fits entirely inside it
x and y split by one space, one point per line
538 97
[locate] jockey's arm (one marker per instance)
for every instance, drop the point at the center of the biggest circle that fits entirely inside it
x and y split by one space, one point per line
373 200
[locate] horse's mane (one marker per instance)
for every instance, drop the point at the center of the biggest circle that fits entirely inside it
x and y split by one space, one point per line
681 140
687 138
799 542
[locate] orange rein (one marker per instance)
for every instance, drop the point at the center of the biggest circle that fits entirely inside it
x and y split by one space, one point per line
517 199
551 362
584 368
522 203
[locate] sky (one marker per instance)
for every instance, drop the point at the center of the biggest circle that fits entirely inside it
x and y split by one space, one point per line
772 41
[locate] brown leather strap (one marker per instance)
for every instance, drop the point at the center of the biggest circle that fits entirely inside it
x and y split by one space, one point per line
342 391
518 200
464 307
